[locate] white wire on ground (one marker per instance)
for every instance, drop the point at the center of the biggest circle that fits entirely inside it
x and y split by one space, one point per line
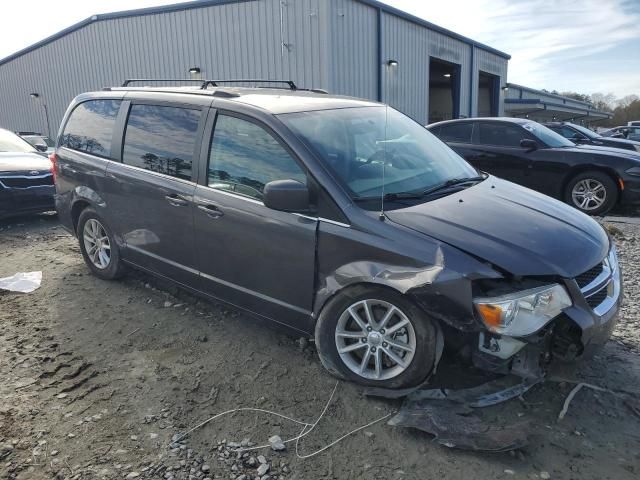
307 428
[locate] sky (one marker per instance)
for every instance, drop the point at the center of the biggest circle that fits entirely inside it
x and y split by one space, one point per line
585 46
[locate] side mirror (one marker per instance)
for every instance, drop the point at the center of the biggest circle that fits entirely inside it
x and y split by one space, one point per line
529 144
577 139
41 147
286 196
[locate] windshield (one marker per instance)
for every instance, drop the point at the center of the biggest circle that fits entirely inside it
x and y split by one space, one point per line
10 142
548 136
356 143
585 131
36 139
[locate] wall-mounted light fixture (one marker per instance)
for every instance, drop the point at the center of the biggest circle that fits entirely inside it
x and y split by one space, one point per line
36 96
194 70
505 89
392 63
447 75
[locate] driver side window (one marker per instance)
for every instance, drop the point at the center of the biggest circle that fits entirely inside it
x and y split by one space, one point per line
244 157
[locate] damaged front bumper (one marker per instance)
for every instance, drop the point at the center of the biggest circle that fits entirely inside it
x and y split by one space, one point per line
577 333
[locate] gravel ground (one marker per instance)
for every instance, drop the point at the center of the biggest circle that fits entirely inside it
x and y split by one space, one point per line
97 379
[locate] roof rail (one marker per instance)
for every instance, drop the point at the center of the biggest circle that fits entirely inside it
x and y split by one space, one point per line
214 83
136 80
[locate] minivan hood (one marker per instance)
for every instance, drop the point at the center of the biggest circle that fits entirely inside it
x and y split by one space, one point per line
516 229
19 162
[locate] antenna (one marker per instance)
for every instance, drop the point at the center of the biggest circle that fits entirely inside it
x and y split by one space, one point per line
382 216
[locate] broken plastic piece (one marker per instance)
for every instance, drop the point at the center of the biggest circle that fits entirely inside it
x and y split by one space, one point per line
22 282
454 426
485 395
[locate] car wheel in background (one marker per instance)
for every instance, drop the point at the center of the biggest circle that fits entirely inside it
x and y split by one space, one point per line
593 193
98 246
376 337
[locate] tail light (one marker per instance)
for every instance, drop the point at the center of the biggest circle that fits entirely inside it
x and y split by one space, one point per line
54 165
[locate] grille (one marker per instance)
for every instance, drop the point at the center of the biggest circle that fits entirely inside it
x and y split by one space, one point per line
597 298
589 276
26 182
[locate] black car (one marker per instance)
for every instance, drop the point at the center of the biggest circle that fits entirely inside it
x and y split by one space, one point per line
583 136
629 132
340 218
26 180
592 179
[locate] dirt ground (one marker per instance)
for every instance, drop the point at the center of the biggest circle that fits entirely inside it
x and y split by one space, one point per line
97 377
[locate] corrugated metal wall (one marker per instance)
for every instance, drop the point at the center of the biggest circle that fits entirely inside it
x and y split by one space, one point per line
331 44
236 40
493 64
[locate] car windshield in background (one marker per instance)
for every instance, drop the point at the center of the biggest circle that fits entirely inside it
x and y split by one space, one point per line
37 139
356 143
585 131
10 142
548 136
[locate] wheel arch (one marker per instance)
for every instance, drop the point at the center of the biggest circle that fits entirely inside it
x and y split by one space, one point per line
578 169
83 197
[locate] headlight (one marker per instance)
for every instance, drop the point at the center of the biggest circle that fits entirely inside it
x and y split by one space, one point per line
634 171
522 313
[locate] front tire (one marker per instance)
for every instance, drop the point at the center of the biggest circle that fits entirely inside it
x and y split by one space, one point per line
98 246
593 193
376 337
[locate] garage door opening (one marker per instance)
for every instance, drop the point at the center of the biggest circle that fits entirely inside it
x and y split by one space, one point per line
444 90
488 95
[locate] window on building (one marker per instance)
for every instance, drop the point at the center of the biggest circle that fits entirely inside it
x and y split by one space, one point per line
90 127
245 157
161 139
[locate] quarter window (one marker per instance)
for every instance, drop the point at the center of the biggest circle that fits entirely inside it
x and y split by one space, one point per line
245 157
456 132
90 127
501 134
161 139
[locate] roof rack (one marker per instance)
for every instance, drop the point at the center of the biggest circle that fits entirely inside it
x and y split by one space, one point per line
136 80
214 83
206 83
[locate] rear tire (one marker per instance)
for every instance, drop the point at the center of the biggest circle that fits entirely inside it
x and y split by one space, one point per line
99 248
395 336
593 193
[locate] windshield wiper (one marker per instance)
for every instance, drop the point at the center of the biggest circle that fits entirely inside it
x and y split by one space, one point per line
451 183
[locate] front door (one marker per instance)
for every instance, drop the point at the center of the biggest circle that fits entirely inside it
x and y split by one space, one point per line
249 255
150 194
497 150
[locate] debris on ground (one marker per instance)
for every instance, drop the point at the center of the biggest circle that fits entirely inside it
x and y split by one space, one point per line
21 282
455 426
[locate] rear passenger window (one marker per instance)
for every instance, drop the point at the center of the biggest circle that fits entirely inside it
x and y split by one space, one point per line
245 157
501 134
456 132
161 139
90 127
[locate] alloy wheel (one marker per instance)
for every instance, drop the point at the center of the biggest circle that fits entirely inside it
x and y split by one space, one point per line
96 243
589 194
375 339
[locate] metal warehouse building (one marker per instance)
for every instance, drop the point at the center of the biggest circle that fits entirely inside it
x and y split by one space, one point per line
354 47
541 106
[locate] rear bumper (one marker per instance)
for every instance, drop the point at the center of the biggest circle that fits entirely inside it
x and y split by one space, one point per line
28 200
63 207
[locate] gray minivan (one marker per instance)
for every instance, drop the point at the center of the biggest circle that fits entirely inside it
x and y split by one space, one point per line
339 218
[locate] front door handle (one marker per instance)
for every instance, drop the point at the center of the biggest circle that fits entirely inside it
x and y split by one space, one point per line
177 200
210 210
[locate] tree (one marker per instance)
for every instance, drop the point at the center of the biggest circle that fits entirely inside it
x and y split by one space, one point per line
626 101
603 102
